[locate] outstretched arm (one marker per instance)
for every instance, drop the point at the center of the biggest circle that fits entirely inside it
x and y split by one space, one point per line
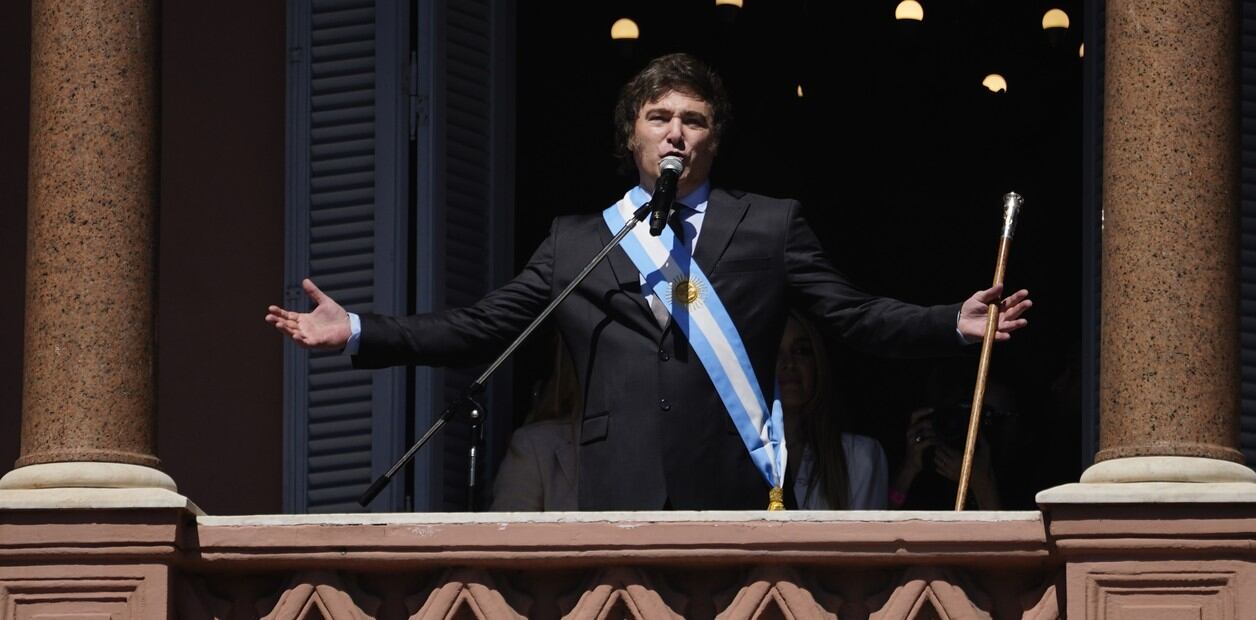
972 315
326 327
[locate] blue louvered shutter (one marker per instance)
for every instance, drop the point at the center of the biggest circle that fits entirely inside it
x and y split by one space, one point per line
1247 291
347 180
464 211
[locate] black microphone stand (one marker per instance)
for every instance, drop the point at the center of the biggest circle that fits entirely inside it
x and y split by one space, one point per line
466 400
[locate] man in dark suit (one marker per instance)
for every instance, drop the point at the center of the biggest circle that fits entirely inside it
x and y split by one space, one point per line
653 432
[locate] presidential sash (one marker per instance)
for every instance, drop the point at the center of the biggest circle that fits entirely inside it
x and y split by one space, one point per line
687 294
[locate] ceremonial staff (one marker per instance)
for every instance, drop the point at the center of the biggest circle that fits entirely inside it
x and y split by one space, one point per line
1012 203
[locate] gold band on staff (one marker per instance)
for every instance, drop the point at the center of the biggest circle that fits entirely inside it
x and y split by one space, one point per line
1012 203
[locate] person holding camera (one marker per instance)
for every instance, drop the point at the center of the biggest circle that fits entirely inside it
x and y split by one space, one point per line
929 475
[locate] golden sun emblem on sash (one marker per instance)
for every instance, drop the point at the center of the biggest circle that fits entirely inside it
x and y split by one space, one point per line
686 292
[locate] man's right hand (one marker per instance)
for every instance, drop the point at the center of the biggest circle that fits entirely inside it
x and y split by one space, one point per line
327 327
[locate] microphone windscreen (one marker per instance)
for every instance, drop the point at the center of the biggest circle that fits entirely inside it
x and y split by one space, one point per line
673 163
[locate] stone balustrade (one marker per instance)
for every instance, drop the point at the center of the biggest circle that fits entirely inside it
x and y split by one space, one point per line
1083 560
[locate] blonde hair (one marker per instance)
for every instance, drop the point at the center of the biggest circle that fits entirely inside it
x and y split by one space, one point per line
821 426
560 397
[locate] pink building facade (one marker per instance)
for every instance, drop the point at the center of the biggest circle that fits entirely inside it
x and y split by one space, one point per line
1162 526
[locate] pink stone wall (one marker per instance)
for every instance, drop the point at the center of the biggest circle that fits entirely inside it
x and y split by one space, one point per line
220 252
1090 562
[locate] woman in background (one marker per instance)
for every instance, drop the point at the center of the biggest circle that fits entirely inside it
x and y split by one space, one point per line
833 470
538 473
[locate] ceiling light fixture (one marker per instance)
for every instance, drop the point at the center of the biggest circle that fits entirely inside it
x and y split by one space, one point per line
1055 18
909 9
625 28
995 83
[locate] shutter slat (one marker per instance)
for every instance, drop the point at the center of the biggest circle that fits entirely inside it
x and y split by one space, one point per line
340 165
335 150
343 51
347 197
344 182
327 6
358 65
346 33
354 15
335 428
351 82
342 480
339 395
341 215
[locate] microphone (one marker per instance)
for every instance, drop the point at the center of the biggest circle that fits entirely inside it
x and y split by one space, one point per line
664 192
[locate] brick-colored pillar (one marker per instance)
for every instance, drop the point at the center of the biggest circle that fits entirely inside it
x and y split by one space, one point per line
1169 367
88 391
1149 524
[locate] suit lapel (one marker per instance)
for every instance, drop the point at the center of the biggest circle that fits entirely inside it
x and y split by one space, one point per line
627 278
724 214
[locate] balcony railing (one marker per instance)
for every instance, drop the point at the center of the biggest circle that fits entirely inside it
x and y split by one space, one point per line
1088 561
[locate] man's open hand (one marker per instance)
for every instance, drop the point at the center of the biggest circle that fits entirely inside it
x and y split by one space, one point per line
972 315
327 327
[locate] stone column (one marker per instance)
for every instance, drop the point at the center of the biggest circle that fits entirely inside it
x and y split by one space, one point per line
88 391
1151 528
1169 365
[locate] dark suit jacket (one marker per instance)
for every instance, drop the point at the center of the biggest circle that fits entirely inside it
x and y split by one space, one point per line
654 431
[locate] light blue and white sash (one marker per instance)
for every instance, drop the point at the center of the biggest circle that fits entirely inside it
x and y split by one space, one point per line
687 294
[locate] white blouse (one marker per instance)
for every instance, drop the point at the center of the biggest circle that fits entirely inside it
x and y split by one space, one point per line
867 473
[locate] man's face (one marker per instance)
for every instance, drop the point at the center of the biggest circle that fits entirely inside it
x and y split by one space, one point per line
674 124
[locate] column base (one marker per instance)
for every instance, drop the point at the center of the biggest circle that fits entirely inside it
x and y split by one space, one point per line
90 486
94 499
1157 480
86 474
1167 469
1148 493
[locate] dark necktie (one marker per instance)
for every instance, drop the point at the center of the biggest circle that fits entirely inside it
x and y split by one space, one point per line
676 222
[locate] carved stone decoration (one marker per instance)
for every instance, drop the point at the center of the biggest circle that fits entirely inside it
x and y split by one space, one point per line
1207 595
250 596
928 592
194 601
774 592
465 594
394 589
1042 603
116 597
623 593
317 595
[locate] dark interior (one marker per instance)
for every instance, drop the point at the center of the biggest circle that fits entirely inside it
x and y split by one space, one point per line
899 154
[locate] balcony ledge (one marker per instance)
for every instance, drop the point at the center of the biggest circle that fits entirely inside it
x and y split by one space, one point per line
572 539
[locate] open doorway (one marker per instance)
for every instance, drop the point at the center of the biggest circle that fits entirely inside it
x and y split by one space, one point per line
900 153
